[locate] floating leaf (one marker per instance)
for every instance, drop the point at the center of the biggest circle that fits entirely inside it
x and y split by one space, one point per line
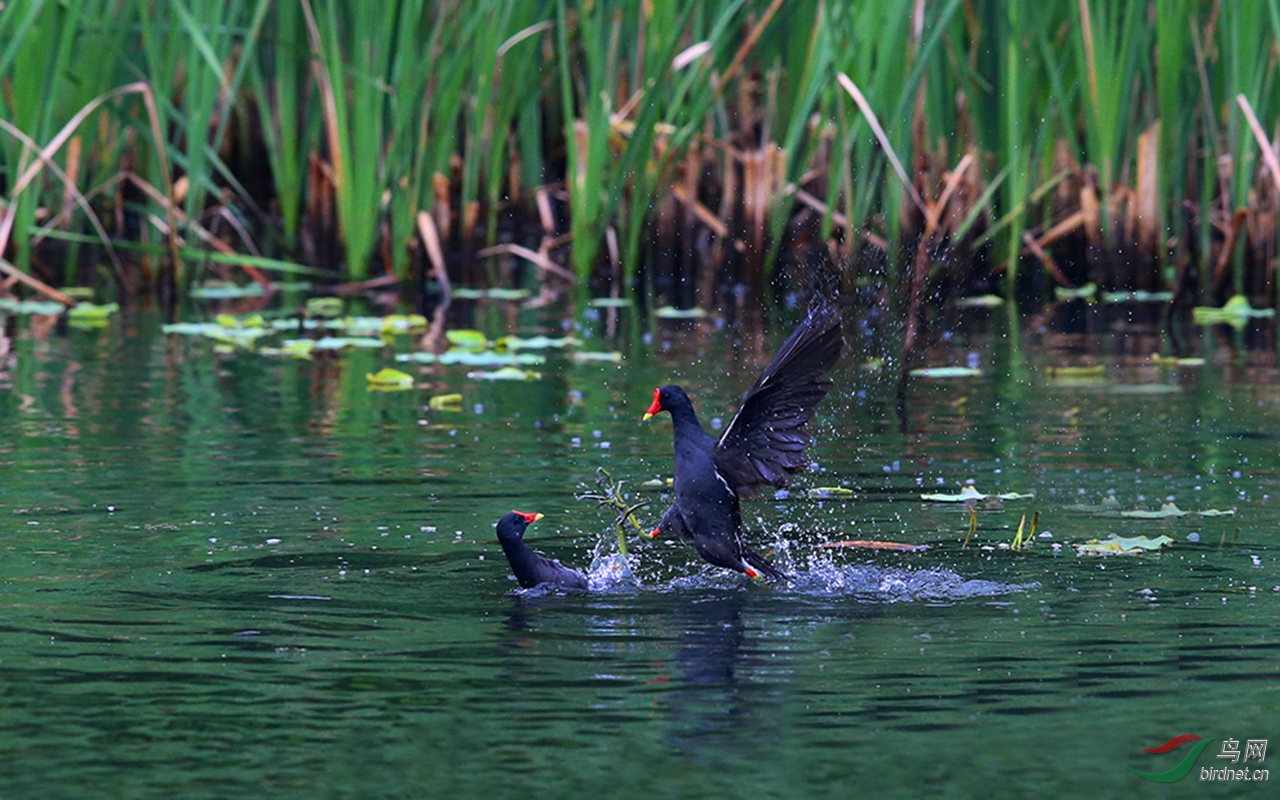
871 544
1076 372
1235 311
467 339
403 323
446 402
505 374
1169 510
1122 545
1144 389
78 292
979 301
610 302
1109 506
324 307
91 311
587 357
671 312
830 493
1166 511
343 342
946 372
467 293
31 307
225 290
1156 358
536 342
294 348
1140 296
969 494
471 358
1085 292
388 378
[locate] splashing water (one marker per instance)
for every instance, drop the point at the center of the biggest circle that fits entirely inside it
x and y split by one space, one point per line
817 576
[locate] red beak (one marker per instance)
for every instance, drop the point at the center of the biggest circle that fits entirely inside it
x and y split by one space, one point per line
534 517
654 407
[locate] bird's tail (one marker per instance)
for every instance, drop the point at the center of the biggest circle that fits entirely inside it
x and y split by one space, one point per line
762 566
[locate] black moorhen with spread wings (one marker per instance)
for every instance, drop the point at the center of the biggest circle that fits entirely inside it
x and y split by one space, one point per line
530 568
763 445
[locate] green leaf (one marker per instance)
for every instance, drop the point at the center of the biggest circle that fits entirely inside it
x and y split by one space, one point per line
446 402
388 378
946 372
468 339
505 374
970 494
589 357
670 312
1122 545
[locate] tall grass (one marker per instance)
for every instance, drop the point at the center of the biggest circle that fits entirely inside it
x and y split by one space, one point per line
949 145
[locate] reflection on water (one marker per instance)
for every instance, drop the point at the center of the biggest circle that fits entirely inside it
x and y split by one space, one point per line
230 576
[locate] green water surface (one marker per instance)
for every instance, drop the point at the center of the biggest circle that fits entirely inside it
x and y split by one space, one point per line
228 575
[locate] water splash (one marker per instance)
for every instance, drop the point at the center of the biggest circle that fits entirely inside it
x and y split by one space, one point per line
818 575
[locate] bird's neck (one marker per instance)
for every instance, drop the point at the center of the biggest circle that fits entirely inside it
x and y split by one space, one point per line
688 437
521 558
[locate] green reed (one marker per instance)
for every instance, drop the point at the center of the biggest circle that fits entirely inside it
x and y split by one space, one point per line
978 122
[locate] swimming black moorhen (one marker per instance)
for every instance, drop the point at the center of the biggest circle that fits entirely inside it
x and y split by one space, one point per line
530 568
762 446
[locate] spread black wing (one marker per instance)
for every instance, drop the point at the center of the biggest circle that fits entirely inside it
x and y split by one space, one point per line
765 442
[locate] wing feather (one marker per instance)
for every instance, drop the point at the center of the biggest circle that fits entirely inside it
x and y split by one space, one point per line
765 441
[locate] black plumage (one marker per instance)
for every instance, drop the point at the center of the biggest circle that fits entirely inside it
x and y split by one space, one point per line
763 445
530 568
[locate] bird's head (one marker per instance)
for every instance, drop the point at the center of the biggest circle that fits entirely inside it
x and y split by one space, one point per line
666 398
511 527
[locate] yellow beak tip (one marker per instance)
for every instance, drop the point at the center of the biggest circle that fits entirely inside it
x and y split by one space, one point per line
537 517
647 416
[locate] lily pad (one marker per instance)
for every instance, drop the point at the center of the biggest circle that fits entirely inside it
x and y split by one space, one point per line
294 348
969 495
946 372
591 356
31 306
979 301
671 312
88 315
1077 372
1170 510
610 302
225 290
537 342
1122 545
445 402
830 493
471 358
1235 311
91 311
388 378
343 342
1085 292
1140 296
1156 358
325 307
1167 511
505 374
467 339
467 293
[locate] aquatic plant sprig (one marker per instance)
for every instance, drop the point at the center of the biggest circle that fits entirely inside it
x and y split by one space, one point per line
610 495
